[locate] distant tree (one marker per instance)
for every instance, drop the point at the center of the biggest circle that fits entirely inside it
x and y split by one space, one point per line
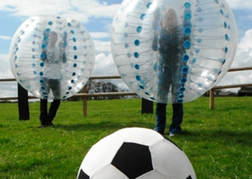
94 86
101 86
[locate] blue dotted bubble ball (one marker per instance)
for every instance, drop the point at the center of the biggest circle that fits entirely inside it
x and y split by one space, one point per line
176 63
52 57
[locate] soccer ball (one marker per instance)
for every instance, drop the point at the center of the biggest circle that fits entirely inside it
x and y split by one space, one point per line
135 153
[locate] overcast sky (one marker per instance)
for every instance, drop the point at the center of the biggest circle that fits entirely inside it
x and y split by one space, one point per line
97 16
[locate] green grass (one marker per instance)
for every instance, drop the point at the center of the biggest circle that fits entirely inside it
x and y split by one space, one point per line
217 142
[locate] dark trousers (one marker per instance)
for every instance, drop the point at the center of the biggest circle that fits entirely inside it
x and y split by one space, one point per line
47 117
177 118
54 85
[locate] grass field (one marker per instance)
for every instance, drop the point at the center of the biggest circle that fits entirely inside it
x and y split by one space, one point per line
218 142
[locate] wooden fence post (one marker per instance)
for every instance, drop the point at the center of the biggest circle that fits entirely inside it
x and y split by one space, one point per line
211 97
84 99
23 103
147 106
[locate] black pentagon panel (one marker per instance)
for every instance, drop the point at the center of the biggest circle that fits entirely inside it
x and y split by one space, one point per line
189 177
133 159
83 175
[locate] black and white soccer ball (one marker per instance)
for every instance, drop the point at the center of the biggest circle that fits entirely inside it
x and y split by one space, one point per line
135 153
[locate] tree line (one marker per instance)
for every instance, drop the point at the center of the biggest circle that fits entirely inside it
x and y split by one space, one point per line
100 86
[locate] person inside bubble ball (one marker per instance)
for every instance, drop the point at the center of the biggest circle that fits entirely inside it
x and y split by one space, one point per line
168 40
52 57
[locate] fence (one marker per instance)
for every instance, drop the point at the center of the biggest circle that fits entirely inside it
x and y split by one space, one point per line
211 97
146 106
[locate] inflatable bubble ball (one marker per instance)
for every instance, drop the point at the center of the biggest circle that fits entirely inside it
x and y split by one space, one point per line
173 51
52 57
135 153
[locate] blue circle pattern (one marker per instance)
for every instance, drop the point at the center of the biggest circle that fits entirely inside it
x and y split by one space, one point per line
38 50
187 45
201 24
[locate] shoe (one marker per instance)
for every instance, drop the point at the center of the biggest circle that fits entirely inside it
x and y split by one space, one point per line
171 134
50 124
46 125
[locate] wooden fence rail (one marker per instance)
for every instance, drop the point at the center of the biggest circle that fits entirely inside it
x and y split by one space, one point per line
145 105
211 94
85 94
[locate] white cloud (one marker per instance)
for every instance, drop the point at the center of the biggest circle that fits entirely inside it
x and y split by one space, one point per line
105 3
5 37
243 58
98 35
104 65
5 71
80 10
8 89
240 4
101 46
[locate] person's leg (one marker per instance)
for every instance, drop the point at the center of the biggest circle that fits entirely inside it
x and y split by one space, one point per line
177 118
43 112
44 89
160 118
56 88
53 109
